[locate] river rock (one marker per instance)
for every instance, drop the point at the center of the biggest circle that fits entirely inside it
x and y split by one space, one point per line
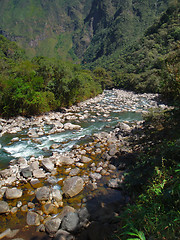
66 160
74 171
52 225
48 164
63 235
72 186
26 172
65 211
56 195
85 159
33 219
4 207
70 222
5 173
83 216
39 173
115 183
70 126
13 193
43 194
49 208
54 146
34 165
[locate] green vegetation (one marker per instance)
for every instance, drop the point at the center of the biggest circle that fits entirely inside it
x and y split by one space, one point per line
42 84
153 181
39 26
152 63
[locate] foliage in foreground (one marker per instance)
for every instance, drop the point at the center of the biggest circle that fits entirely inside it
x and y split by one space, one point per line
42 84
154 182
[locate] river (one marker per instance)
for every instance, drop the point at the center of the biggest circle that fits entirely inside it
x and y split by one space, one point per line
38 137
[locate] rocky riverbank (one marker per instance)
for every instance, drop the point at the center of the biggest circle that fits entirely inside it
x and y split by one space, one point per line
42 188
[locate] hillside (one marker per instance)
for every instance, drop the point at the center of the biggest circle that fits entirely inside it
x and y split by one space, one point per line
66 29
43 27
151 64
117 24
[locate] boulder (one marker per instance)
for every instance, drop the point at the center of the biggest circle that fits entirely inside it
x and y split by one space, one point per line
70 222
56 195
85 159
64 160
4 207
13 193
48 164
5 173
43 194
63 235
70 126
65 211
49 208
52 225
26 172
39 173
74 171
72 186
33 219
115 183
83 216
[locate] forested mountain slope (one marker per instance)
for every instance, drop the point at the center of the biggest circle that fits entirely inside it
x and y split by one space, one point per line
117 24
65 29
152 63
43 27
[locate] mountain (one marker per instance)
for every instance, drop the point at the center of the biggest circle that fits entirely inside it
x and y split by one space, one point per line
151 64
43 27
116 24
65 29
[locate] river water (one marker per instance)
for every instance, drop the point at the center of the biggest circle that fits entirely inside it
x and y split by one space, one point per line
94 115
35 136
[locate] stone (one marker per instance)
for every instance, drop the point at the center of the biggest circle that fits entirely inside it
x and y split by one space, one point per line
5 233
56 195
52 225
4 207
26 172
5 173
54 146
13 193
33 219
63 235
64 160
48 164
70 222
35 182
49 208
65 211
43 194
39 173
52 180
74 171
85 159
70 126
24 208
72 186
114 183
95 176
11 233
83 216
34 165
